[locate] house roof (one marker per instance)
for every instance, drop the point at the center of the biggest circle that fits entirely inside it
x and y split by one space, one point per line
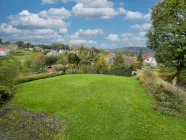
13 45
146 57
107 56
2 49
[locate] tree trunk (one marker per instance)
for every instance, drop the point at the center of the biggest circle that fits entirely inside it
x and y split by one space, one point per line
175 80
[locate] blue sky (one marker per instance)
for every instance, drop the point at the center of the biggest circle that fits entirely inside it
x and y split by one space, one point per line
100 23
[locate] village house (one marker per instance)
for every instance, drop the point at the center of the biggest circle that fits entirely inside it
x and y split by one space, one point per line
63 51
109 58
4 51
129 60
30 48
53 52
149 60
14 46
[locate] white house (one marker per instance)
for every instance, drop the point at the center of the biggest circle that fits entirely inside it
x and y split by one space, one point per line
63 51
4 51
149 60
53 52
31 49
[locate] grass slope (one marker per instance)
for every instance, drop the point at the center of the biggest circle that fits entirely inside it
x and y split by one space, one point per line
99 107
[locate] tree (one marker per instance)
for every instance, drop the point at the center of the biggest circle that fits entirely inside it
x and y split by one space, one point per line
20 43
7 43
46 51
167 37
38 66
119 60
73 58
101 64
1 41
50 60
140 56
26 45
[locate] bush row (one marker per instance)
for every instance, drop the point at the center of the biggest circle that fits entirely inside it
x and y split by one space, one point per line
23 79
166 97
113 71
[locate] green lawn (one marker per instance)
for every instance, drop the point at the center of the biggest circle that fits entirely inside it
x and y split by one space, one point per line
99 107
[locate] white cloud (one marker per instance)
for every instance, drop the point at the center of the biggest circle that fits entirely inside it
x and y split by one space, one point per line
26 19
75 35
55 13
88 32
142 34
80 10
91 32
145 26
133 15
133 37
89 9
49 1
126 36
63 31
130 15
37 35
147 17
113 37
79 42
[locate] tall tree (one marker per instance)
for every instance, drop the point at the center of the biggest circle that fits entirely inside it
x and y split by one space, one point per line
167 37
140 56
73 58
7 43
119 60
1 41
20 43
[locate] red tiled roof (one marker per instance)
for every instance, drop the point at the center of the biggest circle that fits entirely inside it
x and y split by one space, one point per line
14 45
2 49
107 56
146 57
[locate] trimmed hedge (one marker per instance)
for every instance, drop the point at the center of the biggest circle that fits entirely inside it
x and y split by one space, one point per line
34 77
113 71
117 71
121 71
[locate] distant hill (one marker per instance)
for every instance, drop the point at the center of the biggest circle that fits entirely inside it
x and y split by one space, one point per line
130 50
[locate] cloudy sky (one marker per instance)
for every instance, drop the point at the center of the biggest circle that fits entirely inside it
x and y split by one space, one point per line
99 23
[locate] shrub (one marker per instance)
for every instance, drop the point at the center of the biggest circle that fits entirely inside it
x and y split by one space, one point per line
23 79
17 52
8 72
121 71
50 60
4 92
37 66
165 96
73 71
39 56
73 58
60 68
89 69
182 76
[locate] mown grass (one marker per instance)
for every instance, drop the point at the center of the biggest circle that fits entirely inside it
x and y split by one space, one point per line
99 107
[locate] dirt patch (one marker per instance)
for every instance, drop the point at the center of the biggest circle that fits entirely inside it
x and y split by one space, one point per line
18 124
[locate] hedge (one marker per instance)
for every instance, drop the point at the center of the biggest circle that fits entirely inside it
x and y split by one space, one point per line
121 71
23 79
